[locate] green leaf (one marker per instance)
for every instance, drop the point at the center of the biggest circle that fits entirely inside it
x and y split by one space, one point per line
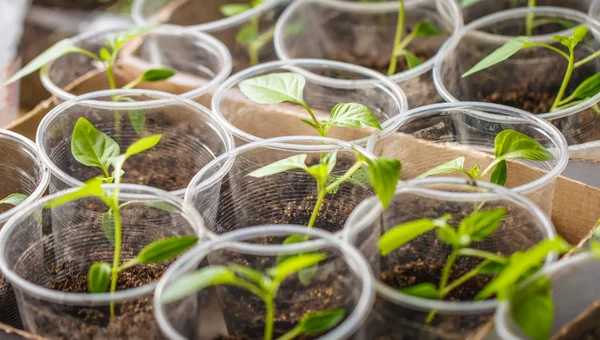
57 50
117 40
290 240
479 225
108 225
293 265
595 247
331 160
165 249
14 199
246 35
193 282
424 290
500 173
104 54
411 59
99 277
142 145
491 268
499 55
230 10
319 172
352 115
307 274
533 309
385 173
521 264
455 165
315 323
251 274
588 88
402 234
91 188
274 88
92 147
468 3
512 144
137 119
448 235
164 206
579 33
157 74
290 163
426 29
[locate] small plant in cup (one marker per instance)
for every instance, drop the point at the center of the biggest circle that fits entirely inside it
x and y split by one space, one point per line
14 199
263 285
92 147
476 227
508 144
585 90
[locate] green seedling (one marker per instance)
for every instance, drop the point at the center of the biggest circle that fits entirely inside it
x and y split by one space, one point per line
93 148
509 144
14 199
474 228
263 285
587 89
422 29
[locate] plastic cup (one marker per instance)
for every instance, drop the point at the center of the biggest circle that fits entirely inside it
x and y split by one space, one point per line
486 7
344 271
206 17
22 173
327 84
45 253
363 33
537 72
200 61
228 199
397 315
447 131
191 137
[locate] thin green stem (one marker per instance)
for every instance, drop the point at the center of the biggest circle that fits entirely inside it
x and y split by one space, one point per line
89 54
317 208
552 48
133 83
269 318
530 18
481 254
255 46
345 176
567 78
456 283
314 118
489 168
567 104
587 59
117 253
448 267
291 334
397 39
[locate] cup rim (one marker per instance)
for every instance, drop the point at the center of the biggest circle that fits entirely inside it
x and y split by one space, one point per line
451 44
454 19
376 80
138 17
141 193
27 145
502 312
594 8
370 209
206 42
493 112
287 143
166 99
235 238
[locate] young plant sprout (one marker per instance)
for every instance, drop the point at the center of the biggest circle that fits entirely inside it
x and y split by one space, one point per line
14 199
587 89
476 227
92 147
509 144
263 285
422 29
530 21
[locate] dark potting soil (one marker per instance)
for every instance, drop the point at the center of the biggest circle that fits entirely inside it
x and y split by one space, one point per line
584 327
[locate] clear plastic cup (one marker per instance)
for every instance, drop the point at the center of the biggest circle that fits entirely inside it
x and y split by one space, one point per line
363 33
446 131
397 315
536 72
191 138
46 253
486 7
343 280
205 16
327 84
200 61
573 292
229 199
22 173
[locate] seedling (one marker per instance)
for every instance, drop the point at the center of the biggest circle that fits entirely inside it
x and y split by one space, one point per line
587 89
422 29
476 227
14 199
263 285
92 147
509 144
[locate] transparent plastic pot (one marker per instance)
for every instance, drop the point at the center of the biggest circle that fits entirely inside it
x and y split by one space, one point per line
574 291
447 131
45 253
341 281
206 17
191 137
363 33
486 7
528 80
201 63
22 172
400 316
327 84
229 199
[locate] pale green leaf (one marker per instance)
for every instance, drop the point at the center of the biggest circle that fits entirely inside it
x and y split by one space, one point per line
157 74
588 88
251 274
104 54
448 235
274 88
290 163
315 323
455 165
426 29
294 264
385 173
246 35
142 145
165 249
99 277
512 144
290 240
91 188
411 59
108 225
137 119
481 224
424 290
532 309
402 234
500 173
193 282
230 10
468 3
352 115
92 147
499 55
14 199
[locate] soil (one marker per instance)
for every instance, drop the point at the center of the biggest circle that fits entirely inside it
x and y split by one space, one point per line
584 327
75 4
533 102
